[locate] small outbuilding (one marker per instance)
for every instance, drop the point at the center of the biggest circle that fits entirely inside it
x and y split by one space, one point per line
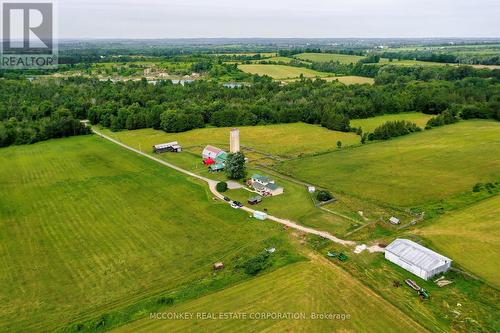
255 200
417 259
218 266
167 147
394 220
260 215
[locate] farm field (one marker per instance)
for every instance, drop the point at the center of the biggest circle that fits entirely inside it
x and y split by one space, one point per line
275 59
369 124
470 236
348 59
309 287
351 79
411 170
281 71
327 57
88 228
286 140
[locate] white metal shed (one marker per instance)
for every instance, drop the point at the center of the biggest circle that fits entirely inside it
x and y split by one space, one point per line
416 258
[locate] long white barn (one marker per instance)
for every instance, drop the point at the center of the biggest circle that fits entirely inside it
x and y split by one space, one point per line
416 259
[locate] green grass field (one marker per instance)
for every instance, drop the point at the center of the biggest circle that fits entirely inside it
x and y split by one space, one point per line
327 57
348 59
369 124
412 170
470 237
311 287
88 228
281 71
286 140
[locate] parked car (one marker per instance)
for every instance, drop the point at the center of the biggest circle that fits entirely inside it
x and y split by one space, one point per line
238 204
227 199
235 206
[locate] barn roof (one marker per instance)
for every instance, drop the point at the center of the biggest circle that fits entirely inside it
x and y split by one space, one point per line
416 254
212 149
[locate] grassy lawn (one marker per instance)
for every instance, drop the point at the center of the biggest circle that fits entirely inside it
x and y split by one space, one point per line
285 140
295 204
369 124
470 236
309 287
280 71
411 170
88 228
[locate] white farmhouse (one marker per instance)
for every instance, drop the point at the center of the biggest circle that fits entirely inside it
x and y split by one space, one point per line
416 259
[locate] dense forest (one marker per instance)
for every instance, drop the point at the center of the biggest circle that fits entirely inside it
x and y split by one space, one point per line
46 108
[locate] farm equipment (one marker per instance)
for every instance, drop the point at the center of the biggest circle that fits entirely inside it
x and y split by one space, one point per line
421 291
332 254
342 257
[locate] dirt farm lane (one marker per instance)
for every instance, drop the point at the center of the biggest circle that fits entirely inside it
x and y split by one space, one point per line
212 185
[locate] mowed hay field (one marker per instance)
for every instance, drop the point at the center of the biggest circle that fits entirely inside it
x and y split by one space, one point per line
411 170
370 124
280 71
310 287
282 140
327 57
470 237
351 79
87 227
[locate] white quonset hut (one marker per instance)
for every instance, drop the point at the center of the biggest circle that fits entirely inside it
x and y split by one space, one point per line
416 259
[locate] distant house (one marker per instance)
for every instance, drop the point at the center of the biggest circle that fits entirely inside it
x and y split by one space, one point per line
170 146
263 180
416 258
265 186
394 220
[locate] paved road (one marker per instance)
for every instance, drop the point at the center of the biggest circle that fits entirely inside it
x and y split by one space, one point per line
212 185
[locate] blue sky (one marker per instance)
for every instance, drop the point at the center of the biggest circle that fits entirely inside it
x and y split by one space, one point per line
278 18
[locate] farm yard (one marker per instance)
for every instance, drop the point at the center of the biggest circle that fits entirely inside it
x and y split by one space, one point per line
412 170
89 228
283 140
470 235
327 57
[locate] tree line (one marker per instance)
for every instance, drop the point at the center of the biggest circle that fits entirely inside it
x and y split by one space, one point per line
29 111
